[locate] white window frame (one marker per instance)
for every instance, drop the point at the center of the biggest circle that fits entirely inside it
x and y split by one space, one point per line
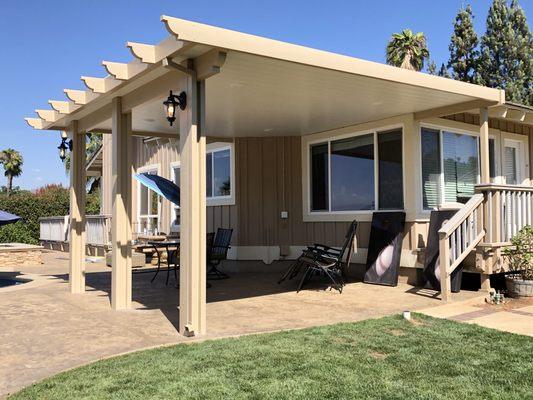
459 131
140 170
523 156
328 140
173 207
222 200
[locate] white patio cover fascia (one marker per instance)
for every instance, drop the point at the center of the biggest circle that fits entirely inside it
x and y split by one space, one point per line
257 86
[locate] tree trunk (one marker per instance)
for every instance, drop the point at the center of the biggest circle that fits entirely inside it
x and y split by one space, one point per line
9 184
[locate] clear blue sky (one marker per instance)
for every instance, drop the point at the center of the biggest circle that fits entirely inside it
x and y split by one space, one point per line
47 45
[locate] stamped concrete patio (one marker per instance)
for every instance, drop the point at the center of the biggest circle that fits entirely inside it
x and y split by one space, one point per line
44 329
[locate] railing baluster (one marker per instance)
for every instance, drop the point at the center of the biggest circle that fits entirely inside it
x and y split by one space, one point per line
453 245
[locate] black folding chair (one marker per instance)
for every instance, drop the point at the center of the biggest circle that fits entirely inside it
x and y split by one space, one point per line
328 261
218 252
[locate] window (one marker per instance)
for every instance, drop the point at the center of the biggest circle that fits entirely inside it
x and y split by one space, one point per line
343 173
450 167
390 170
218 173
512 162
148 207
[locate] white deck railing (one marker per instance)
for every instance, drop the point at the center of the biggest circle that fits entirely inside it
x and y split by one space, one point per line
508 209
56 229
53 229
457 238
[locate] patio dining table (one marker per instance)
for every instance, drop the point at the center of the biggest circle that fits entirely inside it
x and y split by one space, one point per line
169 246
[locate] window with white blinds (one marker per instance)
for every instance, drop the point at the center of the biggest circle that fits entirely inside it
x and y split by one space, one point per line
450 167
510 165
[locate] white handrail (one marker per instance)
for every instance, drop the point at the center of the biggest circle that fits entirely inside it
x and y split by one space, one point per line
457 238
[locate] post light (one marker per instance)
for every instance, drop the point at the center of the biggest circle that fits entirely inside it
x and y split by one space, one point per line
64 135
172 102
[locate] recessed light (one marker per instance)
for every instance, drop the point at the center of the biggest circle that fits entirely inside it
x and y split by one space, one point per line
268 129
377 103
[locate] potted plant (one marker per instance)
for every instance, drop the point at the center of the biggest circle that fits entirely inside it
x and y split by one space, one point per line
520 259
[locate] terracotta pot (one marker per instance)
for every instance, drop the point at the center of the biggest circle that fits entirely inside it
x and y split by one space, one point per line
519 287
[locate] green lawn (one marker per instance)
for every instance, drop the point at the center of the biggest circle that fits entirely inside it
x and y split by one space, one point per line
388 358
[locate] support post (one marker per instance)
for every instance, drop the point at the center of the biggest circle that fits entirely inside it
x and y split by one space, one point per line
484 144
121 234
444 262
192 318
77 210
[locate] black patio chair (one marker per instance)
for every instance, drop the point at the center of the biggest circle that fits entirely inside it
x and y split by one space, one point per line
218 252
328 261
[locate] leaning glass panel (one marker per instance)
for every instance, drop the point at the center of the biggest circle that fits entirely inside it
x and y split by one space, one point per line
352 174
221 173
390 170
319 177
430 168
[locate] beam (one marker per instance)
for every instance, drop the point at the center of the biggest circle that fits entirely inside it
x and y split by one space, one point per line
48 115
35 123
77 210
452 109
122 208
80 97
209 64
516 115
63 107
124 71
151 54
100 85
484 144
192 319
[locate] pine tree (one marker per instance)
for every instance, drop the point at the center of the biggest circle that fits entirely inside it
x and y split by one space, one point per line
432 67
443 71
506 52
463 44
519 63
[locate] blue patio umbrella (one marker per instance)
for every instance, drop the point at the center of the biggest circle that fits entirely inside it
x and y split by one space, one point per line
7 218
168 189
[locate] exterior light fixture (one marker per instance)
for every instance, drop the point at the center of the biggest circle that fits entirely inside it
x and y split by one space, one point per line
64 146
172 103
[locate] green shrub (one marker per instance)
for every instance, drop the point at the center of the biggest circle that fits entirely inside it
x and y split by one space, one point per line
51 200
17 233
520 253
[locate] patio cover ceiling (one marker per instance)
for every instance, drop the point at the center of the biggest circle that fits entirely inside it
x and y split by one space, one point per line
257 86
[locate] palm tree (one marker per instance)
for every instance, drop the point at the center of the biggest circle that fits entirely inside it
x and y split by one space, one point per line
407 50
12 162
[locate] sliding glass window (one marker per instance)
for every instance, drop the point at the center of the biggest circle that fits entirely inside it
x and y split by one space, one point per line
343 173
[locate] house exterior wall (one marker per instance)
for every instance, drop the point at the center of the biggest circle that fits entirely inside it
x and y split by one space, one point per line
271 177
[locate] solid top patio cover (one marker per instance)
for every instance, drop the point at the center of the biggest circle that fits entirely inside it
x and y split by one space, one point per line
163 187
7 218
256 86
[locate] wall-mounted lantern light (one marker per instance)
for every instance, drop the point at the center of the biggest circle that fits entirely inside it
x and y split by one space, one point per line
172 103
64 146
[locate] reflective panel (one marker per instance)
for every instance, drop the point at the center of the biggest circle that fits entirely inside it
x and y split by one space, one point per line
352 174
